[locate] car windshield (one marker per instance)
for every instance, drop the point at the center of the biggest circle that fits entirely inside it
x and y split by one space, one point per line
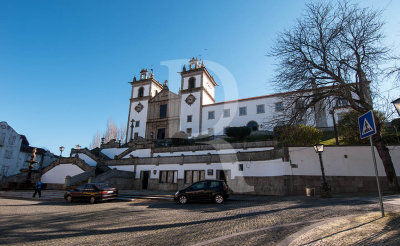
102 186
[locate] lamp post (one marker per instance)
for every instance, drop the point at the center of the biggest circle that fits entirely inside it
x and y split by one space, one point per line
396 104
61 150
326 191
132 121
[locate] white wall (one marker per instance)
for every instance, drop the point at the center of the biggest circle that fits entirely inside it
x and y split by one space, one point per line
358 162
139 153
186 81
141 116
235 119
210 88
146 91
57 174
129 168
87 159
250 168
213 152
194 110
111 152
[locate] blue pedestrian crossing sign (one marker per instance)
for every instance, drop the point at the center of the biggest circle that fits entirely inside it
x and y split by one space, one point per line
366 124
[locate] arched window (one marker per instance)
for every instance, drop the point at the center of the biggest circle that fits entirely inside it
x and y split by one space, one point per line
253 125
192 83
141 92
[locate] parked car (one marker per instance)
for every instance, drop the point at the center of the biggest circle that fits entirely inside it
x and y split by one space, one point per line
214 190
92 192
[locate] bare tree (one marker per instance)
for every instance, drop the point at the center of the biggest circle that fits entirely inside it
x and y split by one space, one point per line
395 68
333 51
112 132
96 140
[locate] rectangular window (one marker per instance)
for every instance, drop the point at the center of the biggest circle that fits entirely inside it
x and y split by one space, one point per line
163 111
189 118
211 115
137 123
163 177
189 132
260 109
240 167
188 177
192 176
242 111
210 172
227 113
168 177
210 131
278 107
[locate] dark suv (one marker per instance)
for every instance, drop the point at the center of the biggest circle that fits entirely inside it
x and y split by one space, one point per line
214 190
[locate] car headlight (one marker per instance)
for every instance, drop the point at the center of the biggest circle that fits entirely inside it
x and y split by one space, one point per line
177 193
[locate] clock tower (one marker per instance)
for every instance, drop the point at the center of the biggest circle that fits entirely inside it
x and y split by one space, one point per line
142 91
197 89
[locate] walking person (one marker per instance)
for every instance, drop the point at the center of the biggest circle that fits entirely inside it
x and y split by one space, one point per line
38 188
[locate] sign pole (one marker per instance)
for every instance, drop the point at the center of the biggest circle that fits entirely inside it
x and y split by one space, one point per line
366 123
377 177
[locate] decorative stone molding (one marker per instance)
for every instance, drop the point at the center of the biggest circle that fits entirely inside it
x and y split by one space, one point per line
139 107
190 99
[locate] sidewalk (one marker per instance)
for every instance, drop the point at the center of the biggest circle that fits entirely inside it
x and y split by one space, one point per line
368 229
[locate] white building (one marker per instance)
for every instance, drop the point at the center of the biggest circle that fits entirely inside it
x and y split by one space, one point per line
15 151
196 112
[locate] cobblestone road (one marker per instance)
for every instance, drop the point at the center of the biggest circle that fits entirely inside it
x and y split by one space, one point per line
150 222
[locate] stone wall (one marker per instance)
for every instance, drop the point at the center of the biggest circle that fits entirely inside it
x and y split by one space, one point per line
295 185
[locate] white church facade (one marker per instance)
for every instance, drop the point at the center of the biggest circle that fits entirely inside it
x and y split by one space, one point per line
157 113
252 167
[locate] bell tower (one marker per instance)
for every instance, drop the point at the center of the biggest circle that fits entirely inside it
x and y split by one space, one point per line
142 90
197 89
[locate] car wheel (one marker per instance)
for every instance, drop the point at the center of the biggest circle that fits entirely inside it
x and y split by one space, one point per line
68 199
92 200
218 199
182 199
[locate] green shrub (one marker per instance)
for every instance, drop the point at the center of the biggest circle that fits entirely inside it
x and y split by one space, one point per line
396 124
238 132
349 130
298 135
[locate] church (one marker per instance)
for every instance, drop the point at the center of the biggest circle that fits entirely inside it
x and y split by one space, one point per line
260 167
155 112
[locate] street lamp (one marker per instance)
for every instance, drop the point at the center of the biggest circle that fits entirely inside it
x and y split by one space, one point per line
61 150
396 104
326 191
132 121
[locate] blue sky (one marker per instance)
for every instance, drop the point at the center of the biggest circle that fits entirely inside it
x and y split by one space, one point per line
64 65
